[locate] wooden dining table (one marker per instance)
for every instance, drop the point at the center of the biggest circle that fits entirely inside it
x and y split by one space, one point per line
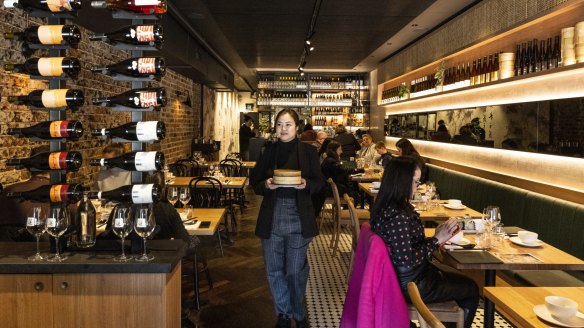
213 215
517 303
244 164
512 257
226 182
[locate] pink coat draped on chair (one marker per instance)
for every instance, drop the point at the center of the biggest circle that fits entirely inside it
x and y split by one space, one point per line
374 298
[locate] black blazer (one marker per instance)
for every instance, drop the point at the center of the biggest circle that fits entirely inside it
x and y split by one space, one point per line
264 169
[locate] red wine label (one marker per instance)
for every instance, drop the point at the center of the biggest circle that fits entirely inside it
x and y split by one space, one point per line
144 33
59 5
146 131
58 193
58 160
54 98
142 194
50 34
146 65
145 161
148 99
58 129
50 66
146 3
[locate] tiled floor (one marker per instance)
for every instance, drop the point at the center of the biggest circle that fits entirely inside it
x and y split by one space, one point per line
327 283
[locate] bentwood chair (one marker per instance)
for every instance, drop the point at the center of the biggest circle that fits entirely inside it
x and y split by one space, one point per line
193 168
356 230
432 315
232 168
206 193
179 169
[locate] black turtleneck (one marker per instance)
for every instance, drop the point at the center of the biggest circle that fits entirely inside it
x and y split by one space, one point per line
287 158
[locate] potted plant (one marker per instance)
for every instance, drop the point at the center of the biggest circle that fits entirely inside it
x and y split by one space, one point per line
439 76
403 92
264 127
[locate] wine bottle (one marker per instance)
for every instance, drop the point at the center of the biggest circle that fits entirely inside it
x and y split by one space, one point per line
48 35
479 72
139 67
72 130
473 73
134 34
136 98
60 160
84 225
541 65
522 59
527 59
495 72
53 98
142 161
517 63
48 67
488 69
548 54
59 193
556 54
137 194
45 5
137 6
533 57
145 131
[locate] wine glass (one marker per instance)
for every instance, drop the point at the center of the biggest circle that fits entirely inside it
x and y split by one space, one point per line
35 225
122 226
172 195
184 195
144 225
56 224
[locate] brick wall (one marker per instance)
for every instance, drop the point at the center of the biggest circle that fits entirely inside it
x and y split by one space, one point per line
182 122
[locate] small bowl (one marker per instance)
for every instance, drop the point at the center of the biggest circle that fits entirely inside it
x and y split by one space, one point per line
455 202
561 307
457 237
527 237
376 184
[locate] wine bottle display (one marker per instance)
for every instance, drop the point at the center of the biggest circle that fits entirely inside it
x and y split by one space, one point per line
50 130
137 6
60 160
54 98
46 5
134 34
145 131
47 66
138 67
136 98
84 225
60 193
137 194
142 161
48 35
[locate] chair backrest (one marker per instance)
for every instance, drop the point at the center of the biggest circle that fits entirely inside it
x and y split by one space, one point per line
205 192
419 304
192 165
354 219
336 196
236 156
230 167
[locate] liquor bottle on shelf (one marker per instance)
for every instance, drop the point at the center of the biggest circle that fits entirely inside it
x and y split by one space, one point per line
467 75
58 193
495 72
541 65
527 58
53 98
548 54
48 35
136 6
473 73
60 160
137 194
522 59
556 53
484 70
138 67
145 131
517 64
48 67
136 98
139 35
45 5
489 69
143 161
532 60
72 130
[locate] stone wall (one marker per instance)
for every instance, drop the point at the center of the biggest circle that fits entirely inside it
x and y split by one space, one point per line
182 122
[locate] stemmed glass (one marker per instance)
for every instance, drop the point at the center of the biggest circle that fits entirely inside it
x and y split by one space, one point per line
56 224
122 226
35 225
144 226
184 196
172 195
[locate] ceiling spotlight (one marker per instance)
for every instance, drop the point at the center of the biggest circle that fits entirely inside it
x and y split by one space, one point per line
301 73
307 41
300 68
311 48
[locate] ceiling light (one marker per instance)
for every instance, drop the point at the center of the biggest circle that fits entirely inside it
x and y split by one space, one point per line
300 68
307 41
301 73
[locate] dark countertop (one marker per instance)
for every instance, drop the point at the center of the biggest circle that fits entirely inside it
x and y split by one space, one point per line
98 259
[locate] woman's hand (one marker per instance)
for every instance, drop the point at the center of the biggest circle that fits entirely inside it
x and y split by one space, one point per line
271 185
445 230
302 185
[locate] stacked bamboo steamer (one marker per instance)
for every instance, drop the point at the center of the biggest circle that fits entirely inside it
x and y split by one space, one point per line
579 42
568 52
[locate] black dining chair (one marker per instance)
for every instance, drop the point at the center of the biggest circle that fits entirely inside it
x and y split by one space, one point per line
206 192
193 167
179 169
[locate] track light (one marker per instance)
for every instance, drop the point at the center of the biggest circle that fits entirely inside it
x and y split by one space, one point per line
301 73
300 68
308 42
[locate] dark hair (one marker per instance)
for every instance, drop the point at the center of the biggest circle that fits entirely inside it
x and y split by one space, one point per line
407 149
247 118
396 185
308 127
442 128
441 122
290 112
324 146
379 145
331 150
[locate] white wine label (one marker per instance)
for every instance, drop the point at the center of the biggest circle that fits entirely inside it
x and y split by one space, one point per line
138 3
54 98
58 129
57 160
141 223
59 5
31 222
102 162
103 132
148 99
145 161
99 195
146 65
50 34
118 222
146 131
142 194
144 33
51 222
50 66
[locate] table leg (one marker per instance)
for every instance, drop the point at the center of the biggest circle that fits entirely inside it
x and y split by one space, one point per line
489 319
362 194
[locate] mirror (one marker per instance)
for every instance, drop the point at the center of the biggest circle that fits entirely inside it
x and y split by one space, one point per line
549 127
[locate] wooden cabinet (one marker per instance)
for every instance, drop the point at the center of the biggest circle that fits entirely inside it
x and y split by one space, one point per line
26 300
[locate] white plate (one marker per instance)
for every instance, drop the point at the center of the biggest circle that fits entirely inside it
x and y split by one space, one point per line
454 207
517 241
576 321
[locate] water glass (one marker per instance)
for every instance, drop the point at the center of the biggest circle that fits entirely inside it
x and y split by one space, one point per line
122 226
56 224
35 225
144 225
